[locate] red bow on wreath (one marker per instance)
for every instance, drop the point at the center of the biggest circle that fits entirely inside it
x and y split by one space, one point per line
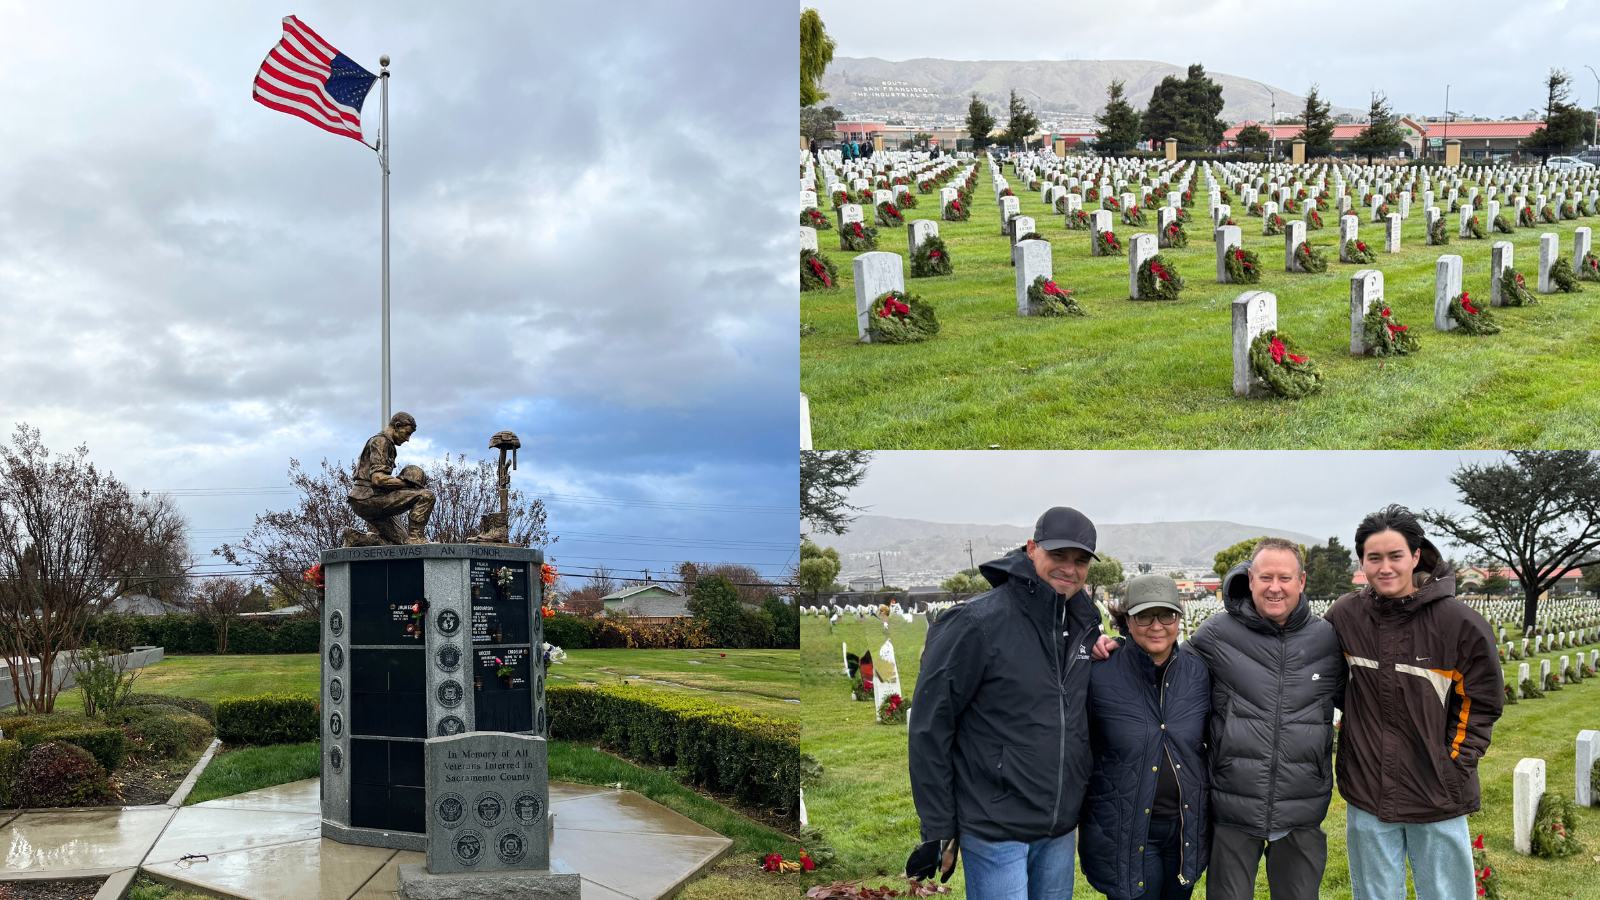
1360 246
1279 352
934 254
1050 287
1394 329
1466 303
1159 272
891 305
955 205
857 227
816 266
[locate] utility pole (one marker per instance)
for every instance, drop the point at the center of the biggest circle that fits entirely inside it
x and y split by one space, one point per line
970 563
1446 121
882 582
1594 139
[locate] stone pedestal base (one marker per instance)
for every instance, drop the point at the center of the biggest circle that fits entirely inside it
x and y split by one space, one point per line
559 882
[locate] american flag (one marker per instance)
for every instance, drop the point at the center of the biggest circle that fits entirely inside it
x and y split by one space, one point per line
304 76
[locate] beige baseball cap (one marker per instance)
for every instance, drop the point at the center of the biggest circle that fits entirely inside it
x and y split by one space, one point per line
1148 592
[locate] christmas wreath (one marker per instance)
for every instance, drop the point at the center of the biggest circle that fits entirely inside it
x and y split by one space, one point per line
1188 198
1242 266
1106 243
1507 688
908 200
1322 201
925 186
1309 259
1031 235
1288 374
1133 215
1050 299
894 710
816 271
815 219
1477 202
1514 290
899 318
1525 217
931 258
889 214
1182 215
1437 235
1476 229
1455 205
1177 238
1005 192
1357 251
1583 208
956 211
860 688
1530 691
1383 210
857 237
1077 220
1289 206
1061 203
1366 199
1034 185
1503 224
1547 215
1314 221
1555 826
841 197
1158 280
1562 276
1091 195
1253 209
1274 225
1111 204
1471 319
1382 332
1589 269
1487 880
1226 197
1567 212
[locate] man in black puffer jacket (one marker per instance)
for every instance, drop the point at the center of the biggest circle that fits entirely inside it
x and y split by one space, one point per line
999 734
1276 675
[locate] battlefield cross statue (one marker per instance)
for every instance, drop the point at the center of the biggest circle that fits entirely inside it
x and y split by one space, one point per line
497 525
377 496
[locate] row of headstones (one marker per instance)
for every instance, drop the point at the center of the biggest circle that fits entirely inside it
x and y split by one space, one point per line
1545 642
1565 674
1528 788
882 190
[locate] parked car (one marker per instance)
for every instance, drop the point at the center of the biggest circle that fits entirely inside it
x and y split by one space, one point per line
1567 162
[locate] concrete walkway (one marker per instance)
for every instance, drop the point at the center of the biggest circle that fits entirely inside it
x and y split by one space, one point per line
267 845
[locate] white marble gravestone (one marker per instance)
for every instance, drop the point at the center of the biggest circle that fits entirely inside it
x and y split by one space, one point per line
1549 252
921 230
885 673
1580 247
1527 788
1523 673
1366 289
1430 215
808 238
1349 230
808 200
1254 312
1099 221
1141 247
1009 208
1293 236
1588 750
1446 286
1227 237
849 214
1032 259
1391 233
1165 217
1502 256
876 273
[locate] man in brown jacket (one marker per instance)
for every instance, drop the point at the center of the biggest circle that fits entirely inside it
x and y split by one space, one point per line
1424 692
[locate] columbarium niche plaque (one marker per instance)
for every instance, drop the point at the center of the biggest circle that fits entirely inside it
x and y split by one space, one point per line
422 627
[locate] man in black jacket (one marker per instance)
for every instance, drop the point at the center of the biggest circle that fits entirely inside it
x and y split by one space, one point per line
1276 675
999 740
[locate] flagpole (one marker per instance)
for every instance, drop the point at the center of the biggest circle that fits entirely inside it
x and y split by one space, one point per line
383 137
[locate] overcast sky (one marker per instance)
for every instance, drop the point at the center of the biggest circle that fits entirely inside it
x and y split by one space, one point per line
588 249
1316 492
1494 56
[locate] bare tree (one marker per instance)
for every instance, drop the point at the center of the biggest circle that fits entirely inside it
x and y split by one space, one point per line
161 558
70 538
283 544
464 491
752 588
218 602
585 600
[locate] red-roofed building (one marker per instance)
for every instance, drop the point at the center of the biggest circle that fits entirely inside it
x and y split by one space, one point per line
1479 140
1342 134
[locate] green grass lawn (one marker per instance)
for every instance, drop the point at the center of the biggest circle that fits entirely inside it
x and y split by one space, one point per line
252 768
764 681
1160 375
863 803
213 678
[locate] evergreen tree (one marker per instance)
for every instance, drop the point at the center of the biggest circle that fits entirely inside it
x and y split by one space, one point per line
1022 121
1188 109
1164 116
1317 125
1119 123
1565 126
979 123
1254 137
817 569
1382 133
1328 571
816 51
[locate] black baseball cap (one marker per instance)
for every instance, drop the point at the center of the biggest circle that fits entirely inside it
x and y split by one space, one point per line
1063 526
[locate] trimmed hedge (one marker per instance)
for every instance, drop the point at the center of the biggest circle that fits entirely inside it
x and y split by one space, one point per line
182 633
56 773
570 632
108 745
188 704
756 758
269 719
11 757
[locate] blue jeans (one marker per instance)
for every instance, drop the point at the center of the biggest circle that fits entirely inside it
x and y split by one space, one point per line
1440 854
1018 870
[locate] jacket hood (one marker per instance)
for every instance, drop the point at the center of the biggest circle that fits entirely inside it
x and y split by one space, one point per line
1434 578
1014 565
1239 603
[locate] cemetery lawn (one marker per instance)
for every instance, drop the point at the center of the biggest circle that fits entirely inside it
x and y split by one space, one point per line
863 801
252 768
763 681
212 678
1159 375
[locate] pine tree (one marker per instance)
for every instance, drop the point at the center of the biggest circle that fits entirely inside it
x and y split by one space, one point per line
979 123
1119 123
1565 126
1382 133
1254 136
1163 117
1203 99
1317 130
1022 121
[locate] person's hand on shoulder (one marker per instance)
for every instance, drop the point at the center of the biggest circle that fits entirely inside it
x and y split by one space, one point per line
1104 646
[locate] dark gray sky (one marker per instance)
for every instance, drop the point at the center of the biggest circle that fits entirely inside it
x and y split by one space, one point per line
588 250
1318 492
1494 57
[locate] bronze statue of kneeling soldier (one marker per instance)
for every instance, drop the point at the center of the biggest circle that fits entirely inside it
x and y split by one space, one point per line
378 496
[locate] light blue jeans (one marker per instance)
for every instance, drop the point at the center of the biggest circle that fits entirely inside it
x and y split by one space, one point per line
1018 870
1440 854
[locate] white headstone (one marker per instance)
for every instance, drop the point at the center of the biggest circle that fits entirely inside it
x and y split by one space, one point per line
1588 752
808 200
805 424
1366 289
1141 247
808 238
1009 208
1254 312
1527 788
1446 286
1391 233
1032 259
921 230
1349 230
1294 235
876 273
1522 672
885 676
1580 246
1099 221
1227 237
1165 217
1549 251
1501 257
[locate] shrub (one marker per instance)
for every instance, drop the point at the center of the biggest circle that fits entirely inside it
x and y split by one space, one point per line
199 707
754 757
56 773
103 681
160 736
570 632
269 719
11 757
108 746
